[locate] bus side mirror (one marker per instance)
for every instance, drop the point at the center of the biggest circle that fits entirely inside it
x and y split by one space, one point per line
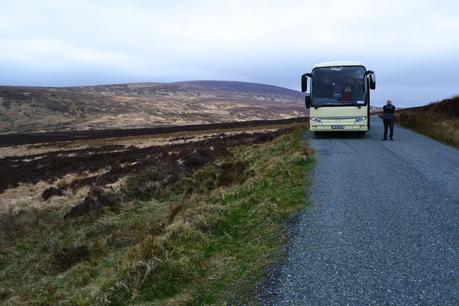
304 83
307 101
372 81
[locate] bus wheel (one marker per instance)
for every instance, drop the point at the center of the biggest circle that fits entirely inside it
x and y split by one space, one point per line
318 134
361 133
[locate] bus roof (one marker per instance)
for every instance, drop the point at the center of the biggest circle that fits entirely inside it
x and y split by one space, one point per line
338 64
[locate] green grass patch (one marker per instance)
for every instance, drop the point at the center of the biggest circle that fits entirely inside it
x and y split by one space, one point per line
207 240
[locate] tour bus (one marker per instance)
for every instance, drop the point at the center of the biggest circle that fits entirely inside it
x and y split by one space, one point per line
339 96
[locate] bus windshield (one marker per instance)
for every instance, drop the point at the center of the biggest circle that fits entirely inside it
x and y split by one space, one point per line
338 85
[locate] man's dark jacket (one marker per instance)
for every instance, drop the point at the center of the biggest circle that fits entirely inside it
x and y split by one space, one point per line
389 112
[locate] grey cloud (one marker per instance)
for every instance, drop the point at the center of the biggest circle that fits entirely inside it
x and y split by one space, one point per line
409 44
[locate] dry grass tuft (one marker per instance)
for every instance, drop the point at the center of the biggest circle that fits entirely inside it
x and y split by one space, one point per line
438 120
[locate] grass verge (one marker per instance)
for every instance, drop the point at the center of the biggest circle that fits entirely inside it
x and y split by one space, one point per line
437 120
206 239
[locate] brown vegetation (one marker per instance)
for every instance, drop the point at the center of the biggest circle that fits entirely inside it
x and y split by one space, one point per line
439 120
193 224
120 161
33 138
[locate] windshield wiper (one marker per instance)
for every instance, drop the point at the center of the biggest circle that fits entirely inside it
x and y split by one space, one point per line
338 104
329 104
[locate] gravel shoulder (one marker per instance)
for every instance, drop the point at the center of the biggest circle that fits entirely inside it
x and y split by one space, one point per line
382 228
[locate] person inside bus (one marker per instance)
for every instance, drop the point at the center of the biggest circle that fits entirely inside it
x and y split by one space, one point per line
347 95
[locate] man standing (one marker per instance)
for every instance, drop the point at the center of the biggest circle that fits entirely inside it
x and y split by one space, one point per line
388 118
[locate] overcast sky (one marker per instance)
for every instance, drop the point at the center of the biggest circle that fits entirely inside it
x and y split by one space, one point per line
413 46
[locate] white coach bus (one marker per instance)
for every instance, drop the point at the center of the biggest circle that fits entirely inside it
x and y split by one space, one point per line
339 96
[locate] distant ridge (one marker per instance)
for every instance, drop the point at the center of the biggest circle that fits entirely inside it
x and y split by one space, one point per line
142 105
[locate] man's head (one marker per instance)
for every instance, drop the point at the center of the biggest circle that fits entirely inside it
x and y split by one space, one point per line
389 102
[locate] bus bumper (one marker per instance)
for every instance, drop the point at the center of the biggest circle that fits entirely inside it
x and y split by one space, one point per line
338 127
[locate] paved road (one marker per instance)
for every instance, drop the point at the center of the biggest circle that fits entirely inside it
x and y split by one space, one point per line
382 229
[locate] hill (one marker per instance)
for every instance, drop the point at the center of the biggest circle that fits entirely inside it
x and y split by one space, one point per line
139 105
439 120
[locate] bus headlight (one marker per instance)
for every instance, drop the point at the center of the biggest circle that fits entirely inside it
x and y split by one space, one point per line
315 119
360 118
